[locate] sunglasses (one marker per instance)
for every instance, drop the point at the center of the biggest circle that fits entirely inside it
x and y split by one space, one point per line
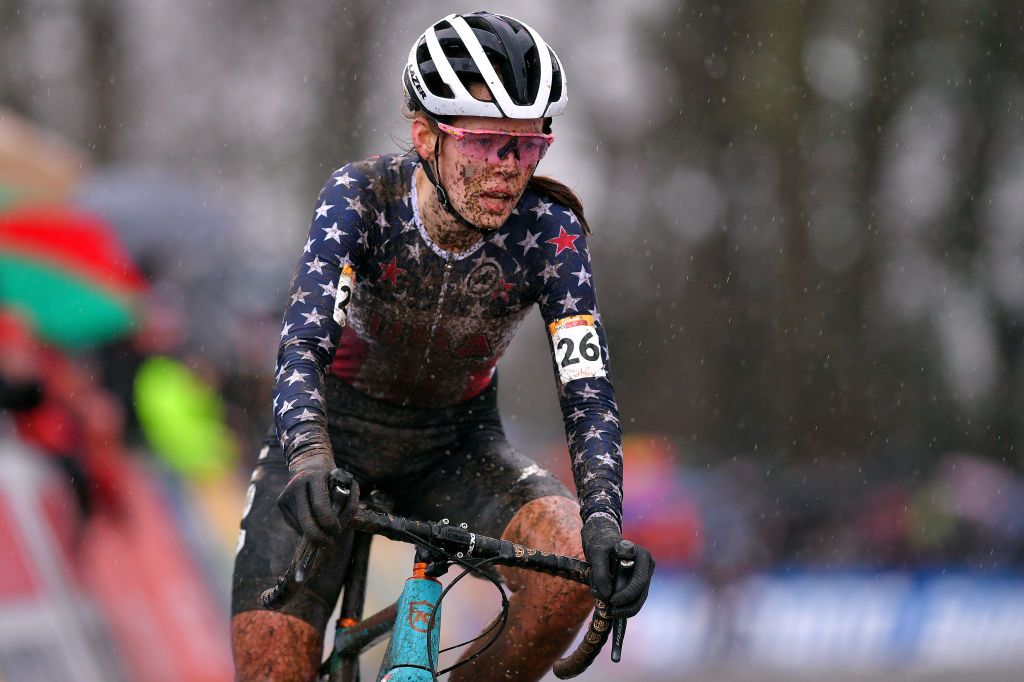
494 146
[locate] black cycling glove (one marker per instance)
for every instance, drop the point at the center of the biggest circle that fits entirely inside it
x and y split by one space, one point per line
600 535
306 499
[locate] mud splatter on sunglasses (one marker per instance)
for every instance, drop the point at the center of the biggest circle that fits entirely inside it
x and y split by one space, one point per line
494 146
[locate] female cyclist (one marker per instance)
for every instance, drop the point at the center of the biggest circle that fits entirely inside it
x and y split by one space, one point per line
416 273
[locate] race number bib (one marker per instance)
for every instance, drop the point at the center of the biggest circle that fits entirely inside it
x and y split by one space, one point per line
346 285
576 347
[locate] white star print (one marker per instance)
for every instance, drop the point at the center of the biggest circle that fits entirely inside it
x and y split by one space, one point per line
592 434
587 392
308 248
577 413
583 275
325 342
301 437
308 355
596 314
382 219
299 296
314 317
499 240
606 459
323 208
329 289
332 232
572 216
355 204
306 415
315 395
285 406
316 265
589 477
550 270
296 376
414 251
541 208
609 417
530 242
345 179
286 330
569 302
408 226
345 260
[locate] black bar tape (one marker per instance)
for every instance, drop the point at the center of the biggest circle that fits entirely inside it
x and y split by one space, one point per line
588 649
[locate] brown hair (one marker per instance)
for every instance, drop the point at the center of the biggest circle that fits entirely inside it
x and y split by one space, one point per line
561 194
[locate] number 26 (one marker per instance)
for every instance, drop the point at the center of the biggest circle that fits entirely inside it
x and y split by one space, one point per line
587 349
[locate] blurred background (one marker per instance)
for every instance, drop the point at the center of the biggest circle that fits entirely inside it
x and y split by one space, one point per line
808 221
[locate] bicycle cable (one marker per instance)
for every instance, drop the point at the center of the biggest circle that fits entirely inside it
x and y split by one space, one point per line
501 621
492 625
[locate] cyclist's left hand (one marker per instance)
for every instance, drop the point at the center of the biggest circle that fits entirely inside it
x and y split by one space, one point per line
600 535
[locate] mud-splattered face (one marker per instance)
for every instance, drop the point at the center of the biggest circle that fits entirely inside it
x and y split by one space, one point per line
485 193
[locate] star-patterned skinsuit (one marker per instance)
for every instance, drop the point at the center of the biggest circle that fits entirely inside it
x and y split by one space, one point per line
425 328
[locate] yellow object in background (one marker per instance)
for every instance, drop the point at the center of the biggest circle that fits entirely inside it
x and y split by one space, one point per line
183 420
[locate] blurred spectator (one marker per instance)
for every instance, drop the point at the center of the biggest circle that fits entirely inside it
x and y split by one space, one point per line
58 407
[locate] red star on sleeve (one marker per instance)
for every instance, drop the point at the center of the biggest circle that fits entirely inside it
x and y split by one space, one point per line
391 271
563 241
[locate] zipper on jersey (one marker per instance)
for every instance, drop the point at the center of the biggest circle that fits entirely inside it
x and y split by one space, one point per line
448 267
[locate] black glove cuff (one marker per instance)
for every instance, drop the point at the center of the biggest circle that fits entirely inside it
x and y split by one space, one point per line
601 527
314 455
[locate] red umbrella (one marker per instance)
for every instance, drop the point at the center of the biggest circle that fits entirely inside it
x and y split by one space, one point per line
69 274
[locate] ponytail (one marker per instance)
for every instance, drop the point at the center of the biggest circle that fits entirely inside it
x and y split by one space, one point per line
561 194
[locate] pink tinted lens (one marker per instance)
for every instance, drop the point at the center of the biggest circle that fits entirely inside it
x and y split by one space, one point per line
494 147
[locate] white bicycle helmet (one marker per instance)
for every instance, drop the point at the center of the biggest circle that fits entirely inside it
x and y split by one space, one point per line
523 74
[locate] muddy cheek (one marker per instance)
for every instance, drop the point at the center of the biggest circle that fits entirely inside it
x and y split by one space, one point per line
469 171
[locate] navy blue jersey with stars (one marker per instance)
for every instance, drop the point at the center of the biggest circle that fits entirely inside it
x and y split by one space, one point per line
377 304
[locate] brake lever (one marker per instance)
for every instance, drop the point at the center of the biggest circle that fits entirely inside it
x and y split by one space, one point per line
625 552
309 556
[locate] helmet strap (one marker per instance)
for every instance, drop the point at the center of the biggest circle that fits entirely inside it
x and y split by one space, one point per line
442 195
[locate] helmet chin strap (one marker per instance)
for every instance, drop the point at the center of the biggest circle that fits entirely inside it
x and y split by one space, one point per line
442 195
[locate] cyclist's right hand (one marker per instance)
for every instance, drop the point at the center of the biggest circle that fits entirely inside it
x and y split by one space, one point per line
306 499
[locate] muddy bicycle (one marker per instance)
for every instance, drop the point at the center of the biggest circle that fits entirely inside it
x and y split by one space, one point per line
413 622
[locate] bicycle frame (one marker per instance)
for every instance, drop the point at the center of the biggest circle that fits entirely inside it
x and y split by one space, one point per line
409 658
411 655
413 651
